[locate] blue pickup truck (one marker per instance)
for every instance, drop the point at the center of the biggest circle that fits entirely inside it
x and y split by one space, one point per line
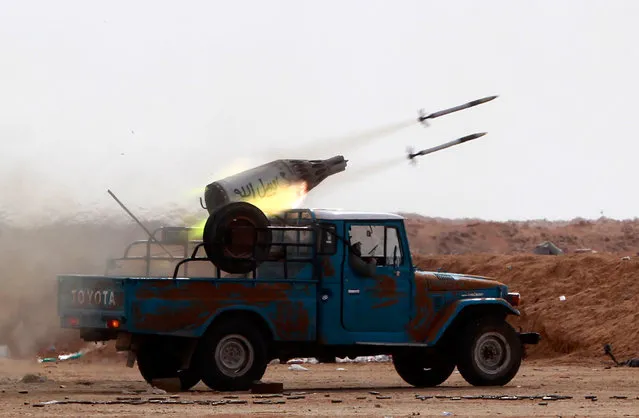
307 283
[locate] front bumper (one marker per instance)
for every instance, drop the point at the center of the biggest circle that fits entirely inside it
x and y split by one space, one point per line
529 337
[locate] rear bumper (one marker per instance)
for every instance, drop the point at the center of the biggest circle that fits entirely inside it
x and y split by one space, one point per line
529 337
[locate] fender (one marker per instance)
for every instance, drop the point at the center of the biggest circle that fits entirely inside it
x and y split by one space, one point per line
446 316
238 308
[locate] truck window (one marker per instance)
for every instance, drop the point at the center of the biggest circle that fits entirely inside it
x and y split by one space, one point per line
392 241
376 243
327 244
370 238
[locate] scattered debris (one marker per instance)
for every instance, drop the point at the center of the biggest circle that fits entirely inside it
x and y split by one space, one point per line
267 387
497 397
62 357
336 401
382 358
297 367
562 298
302 360
633 362
152 401
269 402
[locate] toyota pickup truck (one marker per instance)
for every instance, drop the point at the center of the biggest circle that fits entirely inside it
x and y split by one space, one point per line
309 283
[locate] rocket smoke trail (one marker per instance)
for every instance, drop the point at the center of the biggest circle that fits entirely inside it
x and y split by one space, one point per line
362 172
345 143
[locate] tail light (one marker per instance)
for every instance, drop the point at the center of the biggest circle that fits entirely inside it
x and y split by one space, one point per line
113 323
73 322
513 298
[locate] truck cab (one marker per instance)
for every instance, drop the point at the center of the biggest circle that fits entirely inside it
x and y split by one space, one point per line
327 283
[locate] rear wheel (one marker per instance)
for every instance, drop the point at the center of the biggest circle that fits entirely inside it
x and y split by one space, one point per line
489 352
232 355
421 370
157 361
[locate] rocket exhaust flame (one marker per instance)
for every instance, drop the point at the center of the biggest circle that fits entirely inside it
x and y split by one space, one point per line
272 187
270 181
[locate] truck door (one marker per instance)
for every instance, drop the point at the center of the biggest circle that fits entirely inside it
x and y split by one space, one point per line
378 301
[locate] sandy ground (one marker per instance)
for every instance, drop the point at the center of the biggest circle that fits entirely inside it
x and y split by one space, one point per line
358 390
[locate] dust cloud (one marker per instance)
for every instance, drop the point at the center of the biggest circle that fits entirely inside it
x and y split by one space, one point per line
44 232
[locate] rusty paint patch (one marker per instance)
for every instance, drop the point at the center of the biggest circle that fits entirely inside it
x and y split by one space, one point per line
426 323
386 288
187 305
417 328
168 319
292 321
442 317
385 304
327 267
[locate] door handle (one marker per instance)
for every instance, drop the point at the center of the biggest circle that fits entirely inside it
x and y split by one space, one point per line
353 291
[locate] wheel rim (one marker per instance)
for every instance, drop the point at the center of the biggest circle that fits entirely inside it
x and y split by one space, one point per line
492 353
234 355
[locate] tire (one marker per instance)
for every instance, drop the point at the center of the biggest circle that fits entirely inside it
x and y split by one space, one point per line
489 352
232 356
421 370
157 362
233 257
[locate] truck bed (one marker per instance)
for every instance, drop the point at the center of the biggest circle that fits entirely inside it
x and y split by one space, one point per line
185 306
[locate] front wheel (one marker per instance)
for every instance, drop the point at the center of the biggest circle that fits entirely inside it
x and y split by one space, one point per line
422 370
233 356
489 353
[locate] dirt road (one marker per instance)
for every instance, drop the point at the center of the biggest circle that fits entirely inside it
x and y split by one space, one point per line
357 390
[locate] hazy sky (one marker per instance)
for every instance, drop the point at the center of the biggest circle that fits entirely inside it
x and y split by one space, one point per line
186 89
